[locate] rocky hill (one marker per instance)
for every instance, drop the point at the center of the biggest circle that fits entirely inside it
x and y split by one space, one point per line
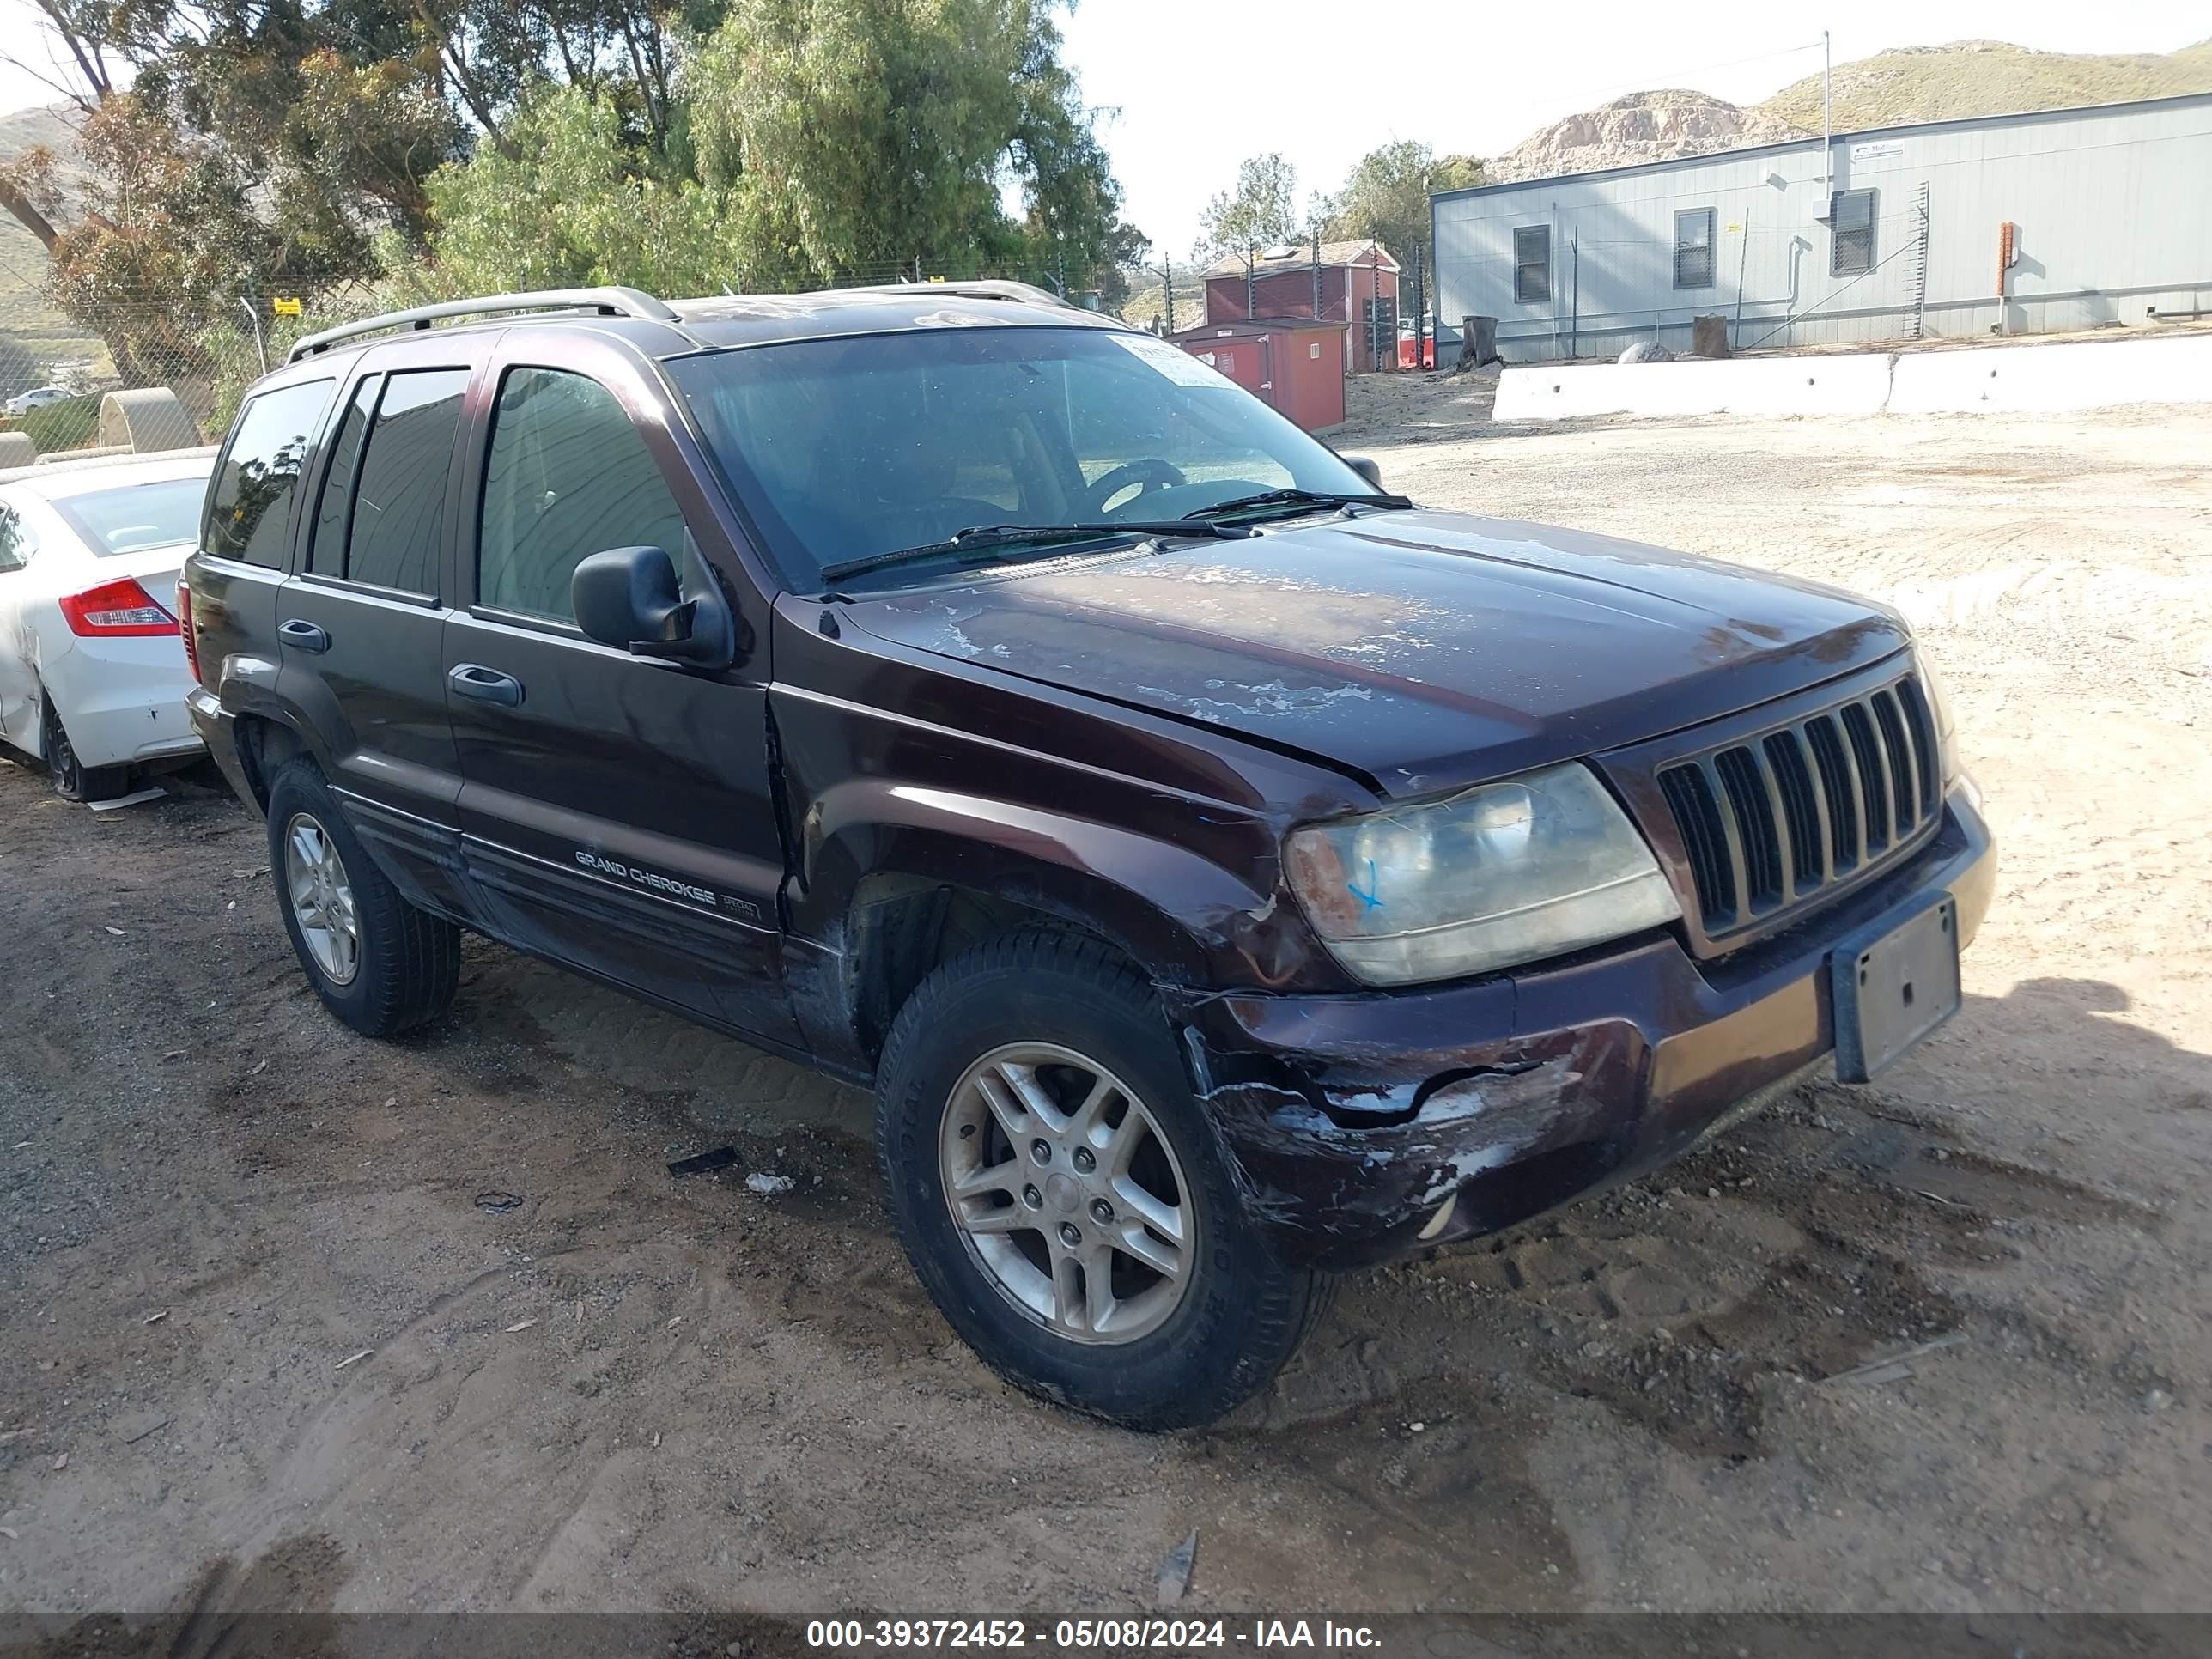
1644 126
1985 77
1910 83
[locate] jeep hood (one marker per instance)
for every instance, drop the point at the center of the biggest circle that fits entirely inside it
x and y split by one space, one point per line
1419 650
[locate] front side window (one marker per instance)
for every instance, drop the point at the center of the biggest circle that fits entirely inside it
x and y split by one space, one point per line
1693 248
842 449
568 476
1851 229
135 517
249 509
399 501
1532 264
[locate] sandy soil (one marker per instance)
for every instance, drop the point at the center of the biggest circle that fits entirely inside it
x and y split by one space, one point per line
261 1343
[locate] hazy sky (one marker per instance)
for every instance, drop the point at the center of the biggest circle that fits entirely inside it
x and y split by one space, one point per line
1195 86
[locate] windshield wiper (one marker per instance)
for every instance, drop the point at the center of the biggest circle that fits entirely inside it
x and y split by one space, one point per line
1300 498
1004 535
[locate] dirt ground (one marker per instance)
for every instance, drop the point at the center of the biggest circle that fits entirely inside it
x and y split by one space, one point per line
267 1330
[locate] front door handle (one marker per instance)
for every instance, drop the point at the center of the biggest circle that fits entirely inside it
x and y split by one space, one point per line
303 634
485 684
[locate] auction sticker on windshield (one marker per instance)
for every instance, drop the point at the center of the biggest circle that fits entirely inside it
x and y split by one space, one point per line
1176 363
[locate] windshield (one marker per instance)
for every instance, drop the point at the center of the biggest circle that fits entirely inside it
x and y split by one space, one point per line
136 516
846 448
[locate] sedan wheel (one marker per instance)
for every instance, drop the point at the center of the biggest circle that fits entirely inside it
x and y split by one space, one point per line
322 899
72 779
1067 1193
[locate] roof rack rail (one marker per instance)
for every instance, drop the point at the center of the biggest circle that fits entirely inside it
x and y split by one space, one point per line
606 302
987 287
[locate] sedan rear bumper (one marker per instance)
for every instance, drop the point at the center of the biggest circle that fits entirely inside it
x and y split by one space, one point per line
1363 1128
122 700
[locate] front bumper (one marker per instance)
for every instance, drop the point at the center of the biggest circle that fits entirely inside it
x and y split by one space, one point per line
1352 1121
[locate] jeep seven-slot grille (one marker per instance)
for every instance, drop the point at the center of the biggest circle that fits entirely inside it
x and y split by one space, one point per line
1769 822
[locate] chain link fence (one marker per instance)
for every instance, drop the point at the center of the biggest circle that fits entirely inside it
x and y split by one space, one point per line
58 363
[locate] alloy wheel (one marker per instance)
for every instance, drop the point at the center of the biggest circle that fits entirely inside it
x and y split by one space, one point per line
1067 1194
322 899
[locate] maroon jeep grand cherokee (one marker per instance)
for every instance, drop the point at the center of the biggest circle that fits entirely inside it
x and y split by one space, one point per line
1222 872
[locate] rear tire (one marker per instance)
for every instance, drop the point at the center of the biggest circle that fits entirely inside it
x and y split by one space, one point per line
1095 1251
72 779
378 963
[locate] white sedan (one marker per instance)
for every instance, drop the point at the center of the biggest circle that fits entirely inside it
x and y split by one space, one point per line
37 398
93 674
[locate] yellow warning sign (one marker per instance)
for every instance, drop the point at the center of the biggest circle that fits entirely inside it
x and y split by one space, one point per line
285 305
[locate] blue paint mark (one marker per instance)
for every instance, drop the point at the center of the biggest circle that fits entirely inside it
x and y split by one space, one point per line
1367 898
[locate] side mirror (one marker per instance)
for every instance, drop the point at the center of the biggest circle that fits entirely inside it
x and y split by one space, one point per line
629 598
1365 467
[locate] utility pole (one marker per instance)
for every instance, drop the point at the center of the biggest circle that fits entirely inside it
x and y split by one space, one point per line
1251 278
1316 267
1166 269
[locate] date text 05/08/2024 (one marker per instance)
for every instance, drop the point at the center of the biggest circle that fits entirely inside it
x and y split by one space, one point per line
1088 1635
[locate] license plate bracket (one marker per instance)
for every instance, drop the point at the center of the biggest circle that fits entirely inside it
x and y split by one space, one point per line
1894 982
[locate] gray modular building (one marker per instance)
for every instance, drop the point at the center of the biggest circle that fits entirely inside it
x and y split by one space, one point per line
2087 217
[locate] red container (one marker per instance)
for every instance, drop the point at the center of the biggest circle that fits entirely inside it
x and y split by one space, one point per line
1294 364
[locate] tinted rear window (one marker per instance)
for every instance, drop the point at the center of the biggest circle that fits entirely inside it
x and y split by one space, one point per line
137 516
326 550
399 505
249 510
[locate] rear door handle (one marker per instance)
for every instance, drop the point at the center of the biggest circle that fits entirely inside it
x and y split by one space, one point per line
485 684
305 636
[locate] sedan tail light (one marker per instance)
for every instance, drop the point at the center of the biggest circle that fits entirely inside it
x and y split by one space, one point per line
113 609
184 624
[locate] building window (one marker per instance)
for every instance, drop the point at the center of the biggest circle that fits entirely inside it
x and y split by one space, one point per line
1851 232
1532 264
1693 248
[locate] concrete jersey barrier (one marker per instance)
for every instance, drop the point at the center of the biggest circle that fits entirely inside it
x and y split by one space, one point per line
1853 385
2050 379
2054 379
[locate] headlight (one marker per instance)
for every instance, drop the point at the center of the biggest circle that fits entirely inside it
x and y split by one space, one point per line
1506 872
1939 708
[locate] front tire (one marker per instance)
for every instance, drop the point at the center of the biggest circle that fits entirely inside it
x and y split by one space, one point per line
378 963
72 779
1063 1197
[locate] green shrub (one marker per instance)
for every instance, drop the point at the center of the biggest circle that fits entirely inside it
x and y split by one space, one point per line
69 424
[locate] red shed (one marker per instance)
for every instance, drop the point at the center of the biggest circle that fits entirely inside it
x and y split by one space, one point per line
1356 279
1295 364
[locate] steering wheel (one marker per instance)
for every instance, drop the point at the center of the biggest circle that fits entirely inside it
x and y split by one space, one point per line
1149 474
